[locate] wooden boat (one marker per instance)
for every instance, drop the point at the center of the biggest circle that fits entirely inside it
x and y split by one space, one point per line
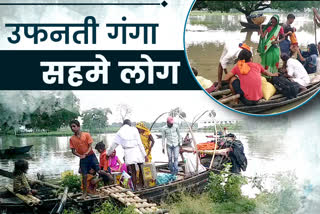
276 101
195 183
15 150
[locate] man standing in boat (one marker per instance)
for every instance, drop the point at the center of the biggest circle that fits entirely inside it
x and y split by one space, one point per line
134 153
171 138
229 57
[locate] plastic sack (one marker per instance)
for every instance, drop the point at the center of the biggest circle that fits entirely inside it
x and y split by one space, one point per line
164 178
191 164
268 90
125 181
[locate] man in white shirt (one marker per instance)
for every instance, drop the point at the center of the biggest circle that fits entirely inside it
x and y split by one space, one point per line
295 71
134 153
229 57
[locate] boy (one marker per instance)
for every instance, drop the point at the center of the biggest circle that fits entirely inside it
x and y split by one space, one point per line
103 163
92 182
81 146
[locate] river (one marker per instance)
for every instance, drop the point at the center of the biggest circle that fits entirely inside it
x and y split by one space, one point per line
51 156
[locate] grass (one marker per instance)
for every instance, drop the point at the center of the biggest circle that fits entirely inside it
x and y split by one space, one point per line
202 204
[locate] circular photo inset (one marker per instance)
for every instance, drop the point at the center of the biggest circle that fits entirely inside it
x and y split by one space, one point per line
258 58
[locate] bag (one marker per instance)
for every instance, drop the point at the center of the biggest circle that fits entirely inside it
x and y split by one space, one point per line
268 90
286 87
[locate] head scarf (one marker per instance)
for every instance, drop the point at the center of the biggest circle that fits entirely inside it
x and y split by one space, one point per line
243 67
141 126
265 43
245 46
170 120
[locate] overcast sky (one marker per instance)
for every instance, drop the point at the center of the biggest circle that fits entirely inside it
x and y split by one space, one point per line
148 105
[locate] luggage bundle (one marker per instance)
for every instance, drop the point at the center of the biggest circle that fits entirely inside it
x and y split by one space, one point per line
286 87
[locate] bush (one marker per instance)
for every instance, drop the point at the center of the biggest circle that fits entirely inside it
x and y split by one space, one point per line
109 207
73 182
190 204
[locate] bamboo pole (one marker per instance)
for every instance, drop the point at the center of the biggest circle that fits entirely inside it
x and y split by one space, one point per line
63 201
215 145
223 92
315 30
28 199
228 99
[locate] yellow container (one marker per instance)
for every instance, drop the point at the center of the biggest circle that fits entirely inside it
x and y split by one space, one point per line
149 174
116 177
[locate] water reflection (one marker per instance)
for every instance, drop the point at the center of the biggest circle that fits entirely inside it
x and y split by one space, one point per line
51 155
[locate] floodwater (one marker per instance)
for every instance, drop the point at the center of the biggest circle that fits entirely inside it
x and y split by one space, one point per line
51 156
206 36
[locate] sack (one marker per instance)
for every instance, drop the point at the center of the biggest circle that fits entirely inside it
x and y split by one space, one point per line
125 181
286 87
268 90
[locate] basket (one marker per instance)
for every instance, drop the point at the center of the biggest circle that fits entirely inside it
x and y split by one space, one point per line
259 20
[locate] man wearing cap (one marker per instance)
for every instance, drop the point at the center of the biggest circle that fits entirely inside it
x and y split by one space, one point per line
229 56
171 137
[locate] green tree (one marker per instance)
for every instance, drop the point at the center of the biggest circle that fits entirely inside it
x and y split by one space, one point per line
37 109
95 118
248 7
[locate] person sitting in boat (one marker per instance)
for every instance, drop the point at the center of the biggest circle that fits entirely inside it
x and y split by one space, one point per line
146 139
271 35
288 31
245 79
103 163
20 182
309 58
114 163
229 57
187 140
92 182
208 85
295 71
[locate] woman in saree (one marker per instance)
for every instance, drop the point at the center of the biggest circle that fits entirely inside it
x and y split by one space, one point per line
271 35
147 140
114 164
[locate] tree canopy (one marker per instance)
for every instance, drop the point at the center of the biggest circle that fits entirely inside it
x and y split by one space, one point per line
248 7
37 109
95 118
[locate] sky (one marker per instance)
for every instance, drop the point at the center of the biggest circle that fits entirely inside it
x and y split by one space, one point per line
148 105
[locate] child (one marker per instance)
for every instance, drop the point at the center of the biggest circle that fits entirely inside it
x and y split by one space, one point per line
293 38
92 181
103 163
20 181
